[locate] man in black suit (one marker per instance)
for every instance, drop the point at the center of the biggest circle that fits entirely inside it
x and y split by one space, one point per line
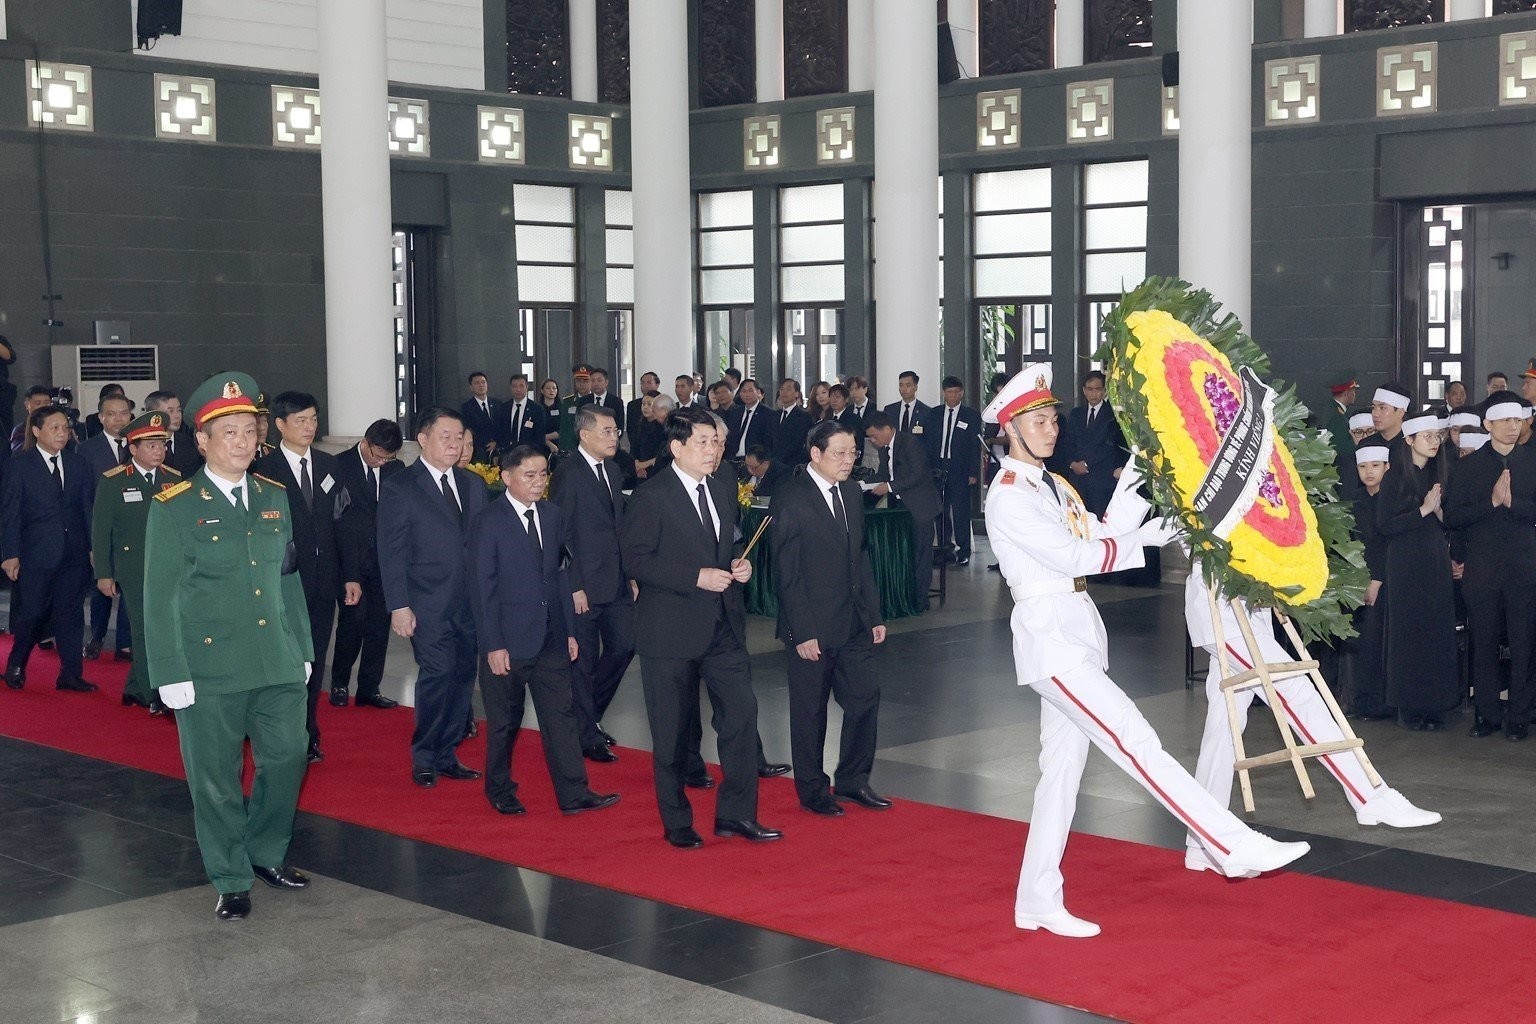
954 448
605 398
690 624
588 489
424 515
749 421
104 451
687 397
840 401
181 452
522 419
481 415
829 621
764 472
36 397
909 414
525 623
316 499
791 425
362 629
650 387
901 472
1095 447
45 546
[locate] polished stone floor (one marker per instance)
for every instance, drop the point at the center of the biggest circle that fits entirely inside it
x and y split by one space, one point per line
106 918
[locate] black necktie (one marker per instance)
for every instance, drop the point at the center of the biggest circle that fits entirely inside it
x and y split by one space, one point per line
783 415
838 511
884 471
234 495
58 474
306 486
1050 485
906 418
517 422
533 534
746 424
150 479
949 426
704 516
373 483
453 502
122 452
1091 413
602 479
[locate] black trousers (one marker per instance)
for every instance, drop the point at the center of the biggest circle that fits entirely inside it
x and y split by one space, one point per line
922 559
547 678
322 619
362 629
606 635
671 689
1504 606
955 519
445 681
846 673
47 602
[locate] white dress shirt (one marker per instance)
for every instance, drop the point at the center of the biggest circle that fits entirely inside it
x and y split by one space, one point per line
691 485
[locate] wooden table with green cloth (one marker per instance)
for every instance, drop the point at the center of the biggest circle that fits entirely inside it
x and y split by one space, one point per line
888 533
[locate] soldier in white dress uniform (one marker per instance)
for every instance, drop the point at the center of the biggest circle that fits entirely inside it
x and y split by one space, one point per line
1046 542
1308 715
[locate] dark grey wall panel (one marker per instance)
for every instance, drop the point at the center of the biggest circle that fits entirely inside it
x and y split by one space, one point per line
1488 161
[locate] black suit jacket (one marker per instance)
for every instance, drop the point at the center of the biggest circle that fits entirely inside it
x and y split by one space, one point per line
610 401
516 593
665 545
356 530
183 455
920 410
314 529
964 445
775 476
826 585
100 453
475 419
912 477
593 516
421 542
40 525
788 444
1499 543
759 428
535 424
1102 446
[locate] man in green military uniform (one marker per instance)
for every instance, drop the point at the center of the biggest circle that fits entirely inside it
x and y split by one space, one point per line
227 645
118 522
581 380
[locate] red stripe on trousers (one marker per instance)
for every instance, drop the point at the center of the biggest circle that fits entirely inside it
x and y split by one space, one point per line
1190 822
1295 720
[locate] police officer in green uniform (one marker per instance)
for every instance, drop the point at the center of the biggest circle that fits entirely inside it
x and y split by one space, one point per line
581 378
118 521
263 427
228 646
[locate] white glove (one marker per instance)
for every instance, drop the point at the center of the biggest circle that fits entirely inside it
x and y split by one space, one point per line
1154 533
307 666
1130 475
177 695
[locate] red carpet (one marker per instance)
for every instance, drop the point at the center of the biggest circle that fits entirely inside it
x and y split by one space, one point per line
920 885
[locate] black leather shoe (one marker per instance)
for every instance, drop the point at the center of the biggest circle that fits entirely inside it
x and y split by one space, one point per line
15 678
74 684
472 730
45 645
1484 727
340 697
606 738
123 654
377 700
700 782
864 797
233 906
92 650
600 754
315 755
130 701
426 778
1515 733
963 560
772 771
156 707
752 830
461 772
282 878
825 806
509 805
590 802
684 838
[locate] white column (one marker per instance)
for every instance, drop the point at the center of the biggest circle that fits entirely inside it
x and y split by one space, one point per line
583 28
907 195
1069 33
658 86
1465 10
355 215
1215 151
769 34
963 29
1320 18
861 45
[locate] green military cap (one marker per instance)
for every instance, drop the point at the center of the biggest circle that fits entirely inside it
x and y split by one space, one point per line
223 394
151 426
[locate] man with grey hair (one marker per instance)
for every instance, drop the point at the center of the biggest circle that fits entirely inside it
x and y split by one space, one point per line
181 452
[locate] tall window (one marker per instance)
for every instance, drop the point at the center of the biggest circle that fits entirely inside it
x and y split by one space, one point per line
726 288
1011 249
619 230
815 47
544 221
1114 244
811 280
538 47
1442 338
725 59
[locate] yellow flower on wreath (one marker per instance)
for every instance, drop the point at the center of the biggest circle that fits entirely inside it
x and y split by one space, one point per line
1277 541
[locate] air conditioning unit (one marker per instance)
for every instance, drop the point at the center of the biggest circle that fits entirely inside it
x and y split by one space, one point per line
85 368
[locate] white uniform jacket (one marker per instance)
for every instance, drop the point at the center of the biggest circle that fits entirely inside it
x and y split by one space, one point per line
1197 616
1044 546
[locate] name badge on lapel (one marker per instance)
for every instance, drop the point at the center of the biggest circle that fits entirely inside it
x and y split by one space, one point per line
131 496
327 484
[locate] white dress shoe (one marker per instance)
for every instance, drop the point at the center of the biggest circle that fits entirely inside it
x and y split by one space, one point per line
1058 921
1389 807
1256 853
1196 859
